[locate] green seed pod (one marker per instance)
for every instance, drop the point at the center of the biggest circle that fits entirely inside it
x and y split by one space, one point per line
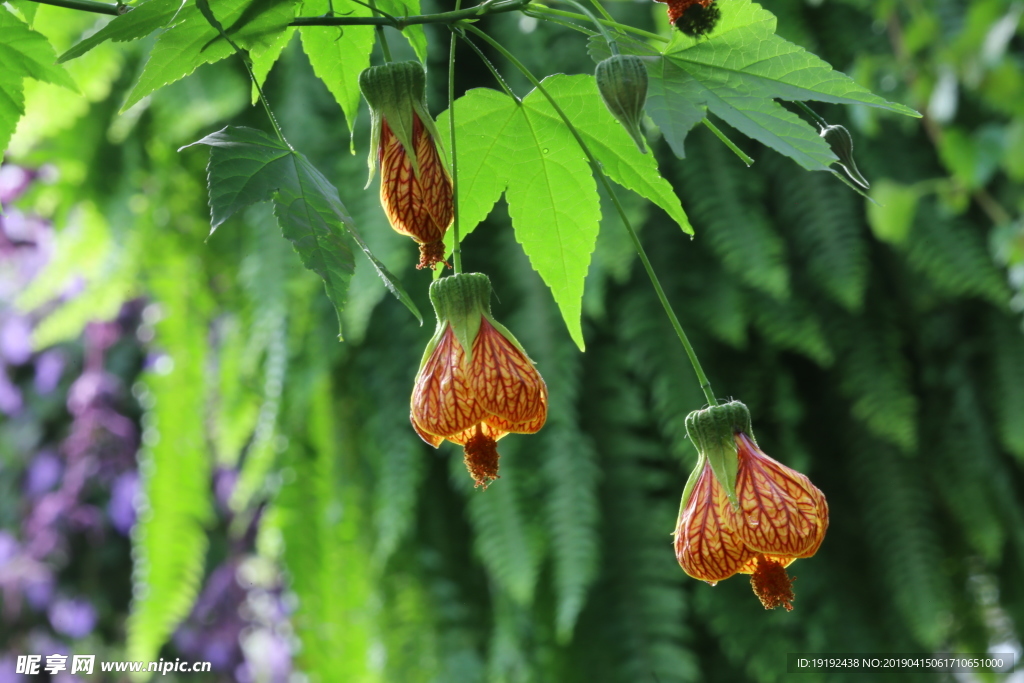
622 81
841 142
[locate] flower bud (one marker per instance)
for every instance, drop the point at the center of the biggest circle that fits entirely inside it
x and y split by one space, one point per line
622 81
841 142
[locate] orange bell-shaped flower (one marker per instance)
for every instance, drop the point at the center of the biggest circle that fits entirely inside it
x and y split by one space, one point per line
475 383
415 187
743 512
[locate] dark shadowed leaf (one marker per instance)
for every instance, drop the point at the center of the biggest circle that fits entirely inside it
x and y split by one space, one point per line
249 166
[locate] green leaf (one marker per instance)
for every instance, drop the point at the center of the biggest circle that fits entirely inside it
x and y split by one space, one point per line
263 62
337 54
525 150
737 73
170 541
191 41
892 212
27 8
248 166
139 23
24 53
414 34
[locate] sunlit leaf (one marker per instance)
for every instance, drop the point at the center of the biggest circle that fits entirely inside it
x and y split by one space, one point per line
191 41
526 151
338 54
138 23
24 53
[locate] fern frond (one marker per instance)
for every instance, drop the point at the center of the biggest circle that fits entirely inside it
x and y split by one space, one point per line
319 514
953 257
964 462
791 324
875 377
169 543
1007 368
903 542
264 276
827 231
507 543
719 196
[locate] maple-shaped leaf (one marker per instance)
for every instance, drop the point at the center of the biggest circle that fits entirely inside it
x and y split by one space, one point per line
24 53
247 166
737 73
191 41
525 150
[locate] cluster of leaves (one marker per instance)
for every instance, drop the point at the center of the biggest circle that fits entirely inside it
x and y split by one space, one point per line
864 362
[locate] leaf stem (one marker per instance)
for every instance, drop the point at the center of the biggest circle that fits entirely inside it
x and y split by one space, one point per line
705 385
456 242
494 72
544 9
384 47
87 6
328 20
613 46
822 123
728 143
207 12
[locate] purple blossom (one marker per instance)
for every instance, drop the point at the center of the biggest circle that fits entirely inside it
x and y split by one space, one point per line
72 617
16 340
49 369
8 665
13 181
8 547
121 508
10 396
38 590
43 473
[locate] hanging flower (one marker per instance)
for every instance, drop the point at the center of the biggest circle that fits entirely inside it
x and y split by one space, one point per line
743 512
475 383
695 18
415 188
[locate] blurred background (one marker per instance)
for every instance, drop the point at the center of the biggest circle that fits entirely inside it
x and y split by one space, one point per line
176 413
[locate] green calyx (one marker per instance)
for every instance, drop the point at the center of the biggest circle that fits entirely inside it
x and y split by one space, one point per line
713 431
396 93
461 301
841 142
622 82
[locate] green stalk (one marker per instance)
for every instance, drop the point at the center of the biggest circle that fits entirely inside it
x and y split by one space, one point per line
456 243
613 46
385 50
822 123
207 12
728 143
705 385
544 9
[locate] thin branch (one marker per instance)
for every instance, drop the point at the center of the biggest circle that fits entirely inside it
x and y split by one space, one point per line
396 22
86 6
